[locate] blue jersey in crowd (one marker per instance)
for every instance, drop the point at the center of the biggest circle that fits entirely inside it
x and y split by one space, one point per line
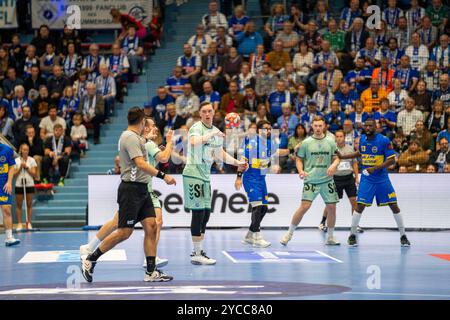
351 76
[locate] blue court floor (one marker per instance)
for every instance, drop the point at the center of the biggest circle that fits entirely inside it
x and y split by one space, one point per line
306 269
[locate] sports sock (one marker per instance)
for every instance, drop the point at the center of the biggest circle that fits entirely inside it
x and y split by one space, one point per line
292 228
323 220
330 232
93 244
95 255
151 264
399 220
197 247
355 222
8 234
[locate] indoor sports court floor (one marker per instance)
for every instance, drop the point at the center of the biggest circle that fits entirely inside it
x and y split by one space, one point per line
46 266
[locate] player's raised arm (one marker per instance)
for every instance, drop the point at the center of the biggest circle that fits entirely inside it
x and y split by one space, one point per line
164 156
199 140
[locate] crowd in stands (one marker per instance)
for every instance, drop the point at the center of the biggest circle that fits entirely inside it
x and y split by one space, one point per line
309 60
52 96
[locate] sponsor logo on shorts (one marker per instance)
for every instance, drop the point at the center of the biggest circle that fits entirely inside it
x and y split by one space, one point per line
4 199
392 195
130 222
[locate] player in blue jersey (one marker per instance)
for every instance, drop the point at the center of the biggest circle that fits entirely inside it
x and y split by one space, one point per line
258 150
377 155
7 164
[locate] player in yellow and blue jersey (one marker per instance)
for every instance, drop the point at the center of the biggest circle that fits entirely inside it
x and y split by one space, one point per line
7 164
258 150
377 155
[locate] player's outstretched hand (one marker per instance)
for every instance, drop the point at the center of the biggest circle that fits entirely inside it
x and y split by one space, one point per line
7 188
238 184
302 174
169 135
170 180
331 171
242 165
338 154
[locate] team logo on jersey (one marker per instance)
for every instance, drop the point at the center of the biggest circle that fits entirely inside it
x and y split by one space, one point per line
374 149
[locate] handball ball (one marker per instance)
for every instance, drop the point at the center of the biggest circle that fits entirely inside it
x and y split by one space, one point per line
232 120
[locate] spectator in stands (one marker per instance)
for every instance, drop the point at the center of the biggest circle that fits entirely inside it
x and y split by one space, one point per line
92 106
132 47
78 135
444 134
42 39
35 145
155 28
127 20
159 104
42 103
48 60
407 75
331 76
408 117
30 60
414 159
57 82
356 37
248 42
346 97
72 62
106 87
212 66
34 81
301 100
423 136
422 98
289 38
349 14
57 150
10 83
323 96
308 117
384 74
16 53
369 53
336 38
214 19
265 81
200 42
119 66
68 104
335 118
25 172
417 52
294 144
392 52
428 33
20 125
321 15
441 157
187 103
232 66
441 53
251 101
399 143
278 57
371 97
312 37
92 62
303 61
47 123
237 22
437 119
379 35
245 77
171 120
290 77
232 100
438 13
443 93
351 135
402 33
81 83
191 64
397 96
67 39
4 63
288 121
358 117
277 98
297 17
262 114
223 40
359 78
275 23
6 124
387 118
175 83
257 59
209 95
431 76
18 102
415 15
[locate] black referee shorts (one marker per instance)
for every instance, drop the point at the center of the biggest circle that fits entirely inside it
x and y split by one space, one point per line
135 204
346 183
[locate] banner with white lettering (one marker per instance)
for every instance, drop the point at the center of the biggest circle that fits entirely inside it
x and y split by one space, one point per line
8 14
423 199
92 14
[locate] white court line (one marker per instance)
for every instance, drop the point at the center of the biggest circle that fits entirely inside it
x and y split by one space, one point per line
229 257
400 294
324 254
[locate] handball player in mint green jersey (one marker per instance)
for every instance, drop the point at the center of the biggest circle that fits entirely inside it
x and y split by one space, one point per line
317 163
205 145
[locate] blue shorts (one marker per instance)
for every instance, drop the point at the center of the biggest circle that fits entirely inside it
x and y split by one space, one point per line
5 199
256 190
384 193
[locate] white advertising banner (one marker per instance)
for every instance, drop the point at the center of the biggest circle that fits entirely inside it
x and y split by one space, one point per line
93 14
8 14
423 198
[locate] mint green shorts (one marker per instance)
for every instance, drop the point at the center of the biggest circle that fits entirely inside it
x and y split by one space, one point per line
155 200
326 190
197 193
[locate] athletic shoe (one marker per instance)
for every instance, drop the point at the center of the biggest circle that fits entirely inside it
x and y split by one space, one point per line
359 229
352 242
157 276
11 242
404 241
248 238
259 241
84 251
286 238
323 227
19 227
160 262
61 182
28 226
45 181
332 241
202 259
87 268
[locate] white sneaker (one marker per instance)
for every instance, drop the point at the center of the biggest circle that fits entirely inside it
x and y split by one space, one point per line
286 238
323 227
157 276
248 238
84 251
160 262
11 242
28 226
332 241
19 227
202 259
259 241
